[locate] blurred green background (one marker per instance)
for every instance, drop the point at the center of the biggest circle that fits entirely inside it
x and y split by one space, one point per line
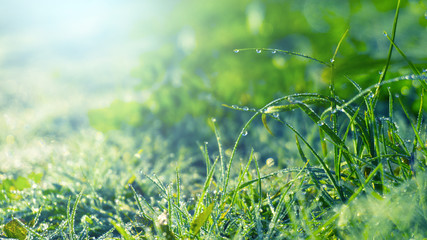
193 69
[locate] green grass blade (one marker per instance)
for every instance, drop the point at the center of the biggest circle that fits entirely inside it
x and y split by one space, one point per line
234 150
264 122
338 46
321 161
280 207
326 195
72 215
121 230
206 186
411 65
241 178
258 208
390 51
221 154
368 179
417 135
259 50
198 221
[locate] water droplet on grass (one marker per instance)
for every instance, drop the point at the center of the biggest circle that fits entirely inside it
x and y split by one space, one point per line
245 133
276 115
274 51
236 50
258 50
245 108
332 60
320 123
213 119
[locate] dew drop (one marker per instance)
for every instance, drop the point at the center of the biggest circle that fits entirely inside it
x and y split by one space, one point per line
245 133
425 70
235 106
276 115
236 50
258 50
332 60
245 108
274 51
213 119
380 72
320 123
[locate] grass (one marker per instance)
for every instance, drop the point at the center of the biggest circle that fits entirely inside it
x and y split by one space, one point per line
358 174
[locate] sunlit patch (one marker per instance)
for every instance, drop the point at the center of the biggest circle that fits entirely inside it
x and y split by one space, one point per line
255 16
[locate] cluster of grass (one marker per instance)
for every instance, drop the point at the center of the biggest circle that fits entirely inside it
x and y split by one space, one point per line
364 177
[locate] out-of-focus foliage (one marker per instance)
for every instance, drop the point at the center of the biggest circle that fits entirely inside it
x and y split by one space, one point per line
117 114
194 70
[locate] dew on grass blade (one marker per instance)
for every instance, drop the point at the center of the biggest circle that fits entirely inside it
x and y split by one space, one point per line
320 123
276 115
245 133
274 51
236 50
332 60
245 108
258 50
213 119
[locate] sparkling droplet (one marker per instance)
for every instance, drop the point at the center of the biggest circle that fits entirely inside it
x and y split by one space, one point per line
380 72
245 133
425 70
332 60
213 119
236 50
276 115
245 108
320 123
385 34
235 106
274 51
258 51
